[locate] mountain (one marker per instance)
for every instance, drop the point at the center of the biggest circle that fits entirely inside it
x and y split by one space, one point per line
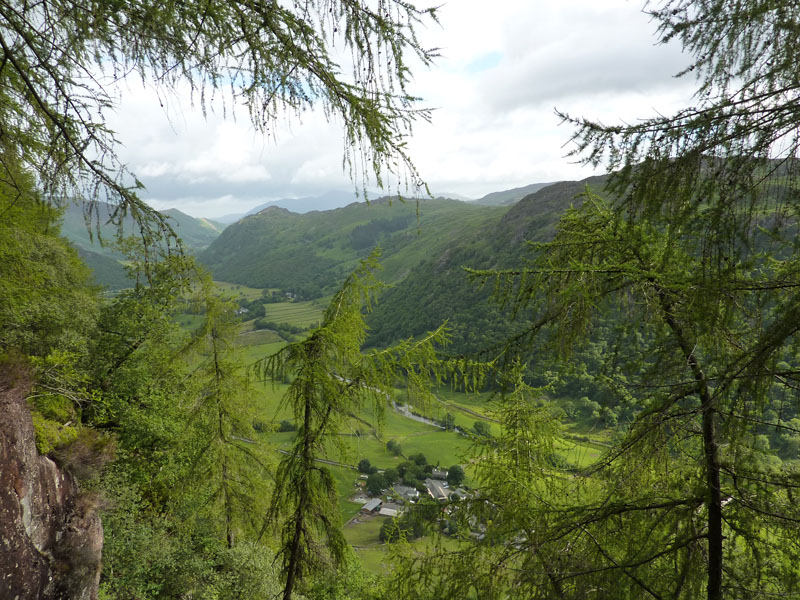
327 201
508 197
311 253
93 243
438 289
452 196
196 233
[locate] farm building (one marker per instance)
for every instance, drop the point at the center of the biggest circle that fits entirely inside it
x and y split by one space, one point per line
409 494
438 473
391 510
437 489
372 506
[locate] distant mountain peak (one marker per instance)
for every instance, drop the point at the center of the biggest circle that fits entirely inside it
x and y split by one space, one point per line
329 200
271 211
512 196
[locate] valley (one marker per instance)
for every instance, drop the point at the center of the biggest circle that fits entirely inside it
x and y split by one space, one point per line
441 428
281 271
576 376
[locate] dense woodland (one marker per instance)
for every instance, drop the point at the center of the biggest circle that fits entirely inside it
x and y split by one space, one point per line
608 370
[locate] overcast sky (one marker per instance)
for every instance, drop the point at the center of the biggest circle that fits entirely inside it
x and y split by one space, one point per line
502 73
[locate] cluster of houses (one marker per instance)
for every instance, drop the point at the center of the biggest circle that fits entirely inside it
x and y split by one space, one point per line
437 488
393 502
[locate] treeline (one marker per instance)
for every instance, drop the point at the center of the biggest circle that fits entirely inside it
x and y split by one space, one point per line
368 235
285 330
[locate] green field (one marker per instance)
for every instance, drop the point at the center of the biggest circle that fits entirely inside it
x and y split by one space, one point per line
345 478
365 533
374 559
189 322
444 448
482 403
375 556
301 314
466 408
234 290
258 351
578 453
258 338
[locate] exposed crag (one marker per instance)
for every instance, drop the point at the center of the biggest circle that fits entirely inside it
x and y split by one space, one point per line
51 537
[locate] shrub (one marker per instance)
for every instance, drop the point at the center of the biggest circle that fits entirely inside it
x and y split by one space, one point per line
391 475
51 434
481 428
419 459
393 447
455 475
376 483
287 426
87 454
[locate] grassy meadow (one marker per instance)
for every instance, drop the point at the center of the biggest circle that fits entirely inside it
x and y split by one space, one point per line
235 290
301 314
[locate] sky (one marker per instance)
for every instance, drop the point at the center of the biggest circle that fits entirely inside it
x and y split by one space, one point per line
502 73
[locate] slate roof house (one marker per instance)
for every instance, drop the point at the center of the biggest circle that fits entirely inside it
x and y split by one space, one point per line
437 489
438 473
407 493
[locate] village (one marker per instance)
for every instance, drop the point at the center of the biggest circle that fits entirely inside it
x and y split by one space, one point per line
389 498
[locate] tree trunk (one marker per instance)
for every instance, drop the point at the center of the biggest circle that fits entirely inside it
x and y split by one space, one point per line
295 549
715 537
710 452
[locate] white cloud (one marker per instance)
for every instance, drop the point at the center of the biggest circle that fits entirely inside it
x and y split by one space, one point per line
503 70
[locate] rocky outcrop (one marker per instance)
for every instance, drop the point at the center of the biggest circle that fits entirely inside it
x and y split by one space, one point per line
51 537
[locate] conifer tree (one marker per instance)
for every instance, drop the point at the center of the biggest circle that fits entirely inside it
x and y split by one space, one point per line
219 436
694 254
60 61
718 182
331 380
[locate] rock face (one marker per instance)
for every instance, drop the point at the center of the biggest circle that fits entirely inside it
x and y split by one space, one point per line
51 537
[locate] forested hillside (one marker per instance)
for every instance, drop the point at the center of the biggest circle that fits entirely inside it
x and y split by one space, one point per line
311 254
92 232
438 289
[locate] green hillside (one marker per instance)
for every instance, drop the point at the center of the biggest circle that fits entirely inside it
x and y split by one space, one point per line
106 270
309 254
439 290
196 233
94 244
